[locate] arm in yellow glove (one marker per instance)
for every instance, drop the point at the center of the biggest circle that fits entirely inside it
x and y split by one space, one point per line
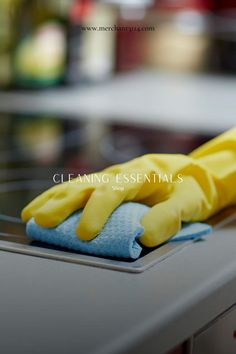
208 184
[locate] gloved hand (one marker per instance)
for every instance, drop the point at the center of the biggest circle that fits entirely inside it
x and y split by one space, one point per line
194 187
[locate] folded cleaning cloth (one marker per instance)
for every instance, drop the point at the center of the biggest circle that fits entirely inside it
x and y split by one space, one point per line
118 238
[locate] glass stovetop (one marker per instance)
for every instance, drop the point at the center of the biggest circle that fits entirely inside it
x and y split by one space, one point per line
34 148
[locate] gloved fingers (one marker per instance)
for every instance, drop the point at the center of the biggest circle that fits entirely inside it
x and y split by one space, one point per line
99 207
160 223
61 205
58 194
186 203
36 203
107 197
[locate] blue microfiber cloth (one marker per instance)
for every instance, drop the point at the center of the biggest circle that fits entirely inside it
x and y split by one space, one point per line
118 238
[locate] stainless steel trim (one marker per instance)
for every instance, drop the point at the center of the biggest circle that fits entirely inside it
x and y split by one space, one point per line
137 266
140 265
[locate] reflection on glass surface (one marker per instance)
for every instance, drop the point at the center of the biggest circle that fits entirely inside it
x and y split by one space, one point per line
34 148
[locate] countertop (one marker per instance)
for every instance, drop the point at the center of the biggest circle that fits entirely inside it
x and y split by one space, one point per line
55 307
201 103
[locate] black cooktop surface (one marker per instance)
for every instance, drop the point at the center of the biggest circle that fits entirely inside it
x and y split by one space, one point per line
33 149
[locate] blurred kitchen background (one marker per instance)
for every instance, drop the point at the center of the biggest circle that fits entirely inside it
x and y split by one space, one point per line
76 98
45 43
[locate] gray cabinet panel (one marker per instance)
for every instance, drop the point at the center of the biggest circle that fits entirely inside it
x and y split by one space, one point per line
219 337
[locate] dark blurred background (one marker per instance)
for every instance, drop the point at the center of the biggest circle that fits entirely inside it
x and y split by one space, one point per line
46 43
85 84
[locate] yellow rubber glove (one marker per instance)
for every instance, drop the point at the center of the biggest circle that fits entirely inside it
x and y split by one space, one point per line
194 187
